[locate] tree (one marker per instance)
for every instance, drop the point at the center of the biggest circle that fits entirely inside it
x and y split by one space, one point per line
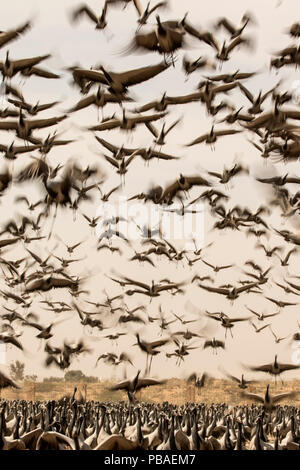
74 376
79 376
53 379
17 370
91 379
31 378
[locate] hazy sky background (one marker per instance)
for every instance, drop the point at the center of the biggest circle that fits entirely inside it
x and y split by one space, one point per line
80 44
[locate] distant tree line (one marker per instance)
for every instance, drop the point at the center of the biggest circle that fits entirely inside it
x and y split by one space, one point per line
17 370
73 376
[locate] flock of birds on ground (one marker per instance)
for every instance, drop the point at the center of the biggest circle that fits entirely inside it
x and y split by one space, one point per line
74 424
273 132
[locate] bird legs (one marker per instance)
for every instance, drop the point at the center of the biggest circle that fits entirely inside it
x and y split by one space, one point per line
53 221
150 364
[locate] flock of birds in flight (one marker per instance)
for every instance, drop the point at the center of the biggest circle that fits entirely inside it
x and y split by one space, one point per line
274 134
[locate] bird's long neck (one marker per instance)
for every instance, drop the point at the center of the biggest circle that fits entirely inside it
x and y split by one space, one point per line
7 61
160 28
257 435
2 430
171 436
267 395
140 437
21 120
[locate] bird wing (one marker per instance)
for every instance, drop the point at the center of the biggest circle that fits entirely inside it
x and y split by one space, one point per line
159 342
43 73
292 179
132 77
136 283
284 367
246 287
41 123
84 9
207 263
293 250
265 95
158 5
121 385
112 191
174 124
112 161
148 382
162 156
227 25
227 132
213 317
74 305
217 290
197 181
56 282
205 36
281 396
8 125
146 41
151 117
185 98
293 114
19 104
6 382
124 357
260 121
167 287
231 377
199 140
93 75
252 311
252 396
246 92
13 341
235 320
25 149
43 107
241 75
224 88
226 266
34 256
192 377
152 129
13 91
107 125
83 103
294 286
214 173
271 315
238 40
22 199
147 107
24 63
171 190
138 7
267 180
263 368
112 148
9 36
34 325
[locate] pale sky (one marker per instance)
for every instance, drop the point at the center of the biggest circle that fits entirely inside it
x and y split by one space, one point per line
81 44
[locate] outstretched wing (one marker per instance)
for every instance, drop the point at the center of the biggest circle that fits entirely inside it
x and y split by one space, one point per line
253 397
